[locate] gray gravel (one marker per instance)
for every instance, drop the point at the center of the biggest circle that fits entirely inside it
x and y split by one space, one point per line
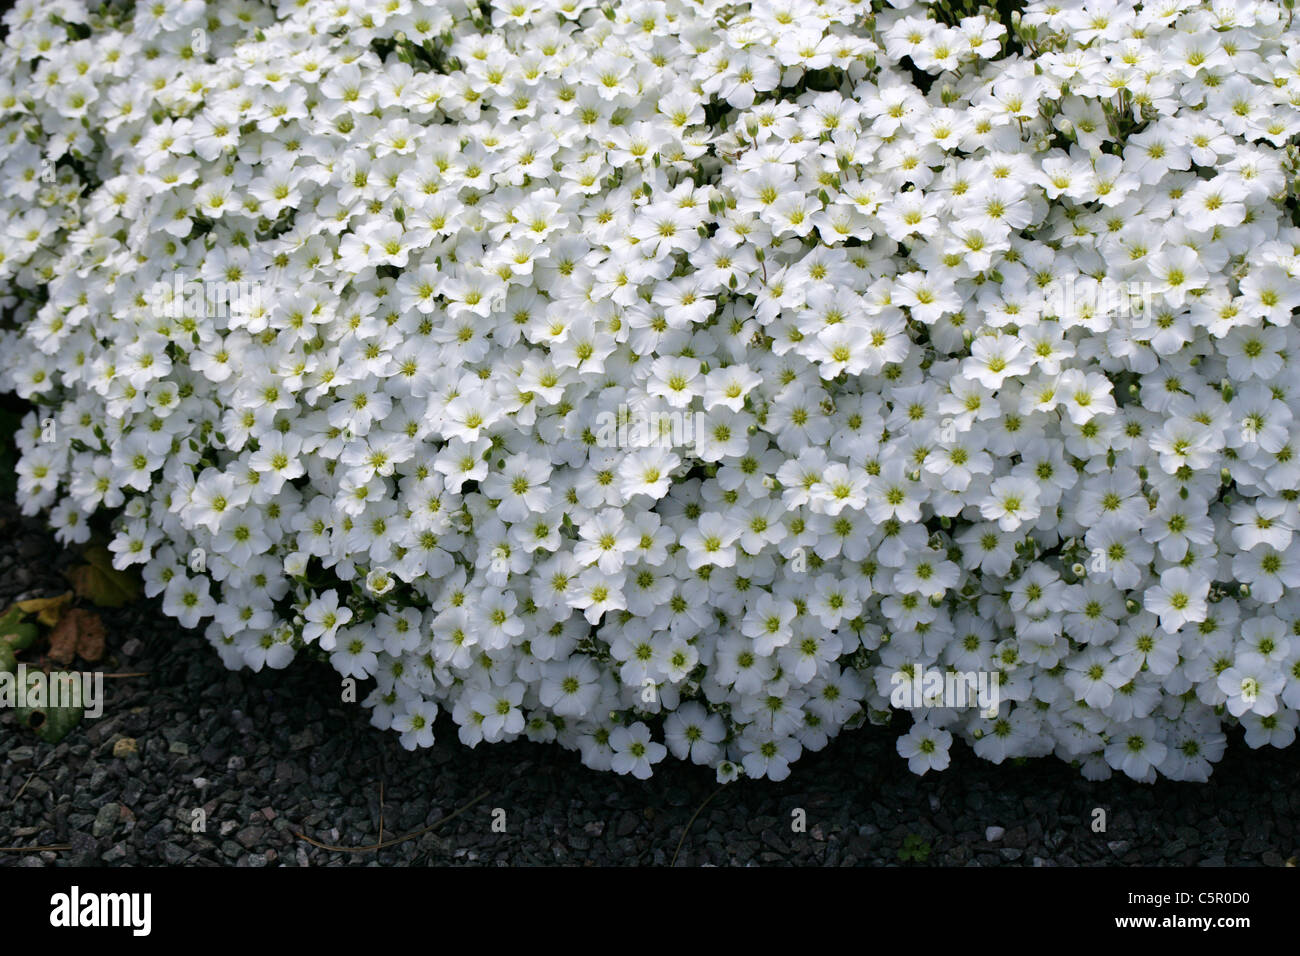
270 755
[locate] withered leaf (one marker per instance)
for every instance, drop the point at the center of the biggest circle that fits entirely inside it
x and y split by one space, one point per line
79 633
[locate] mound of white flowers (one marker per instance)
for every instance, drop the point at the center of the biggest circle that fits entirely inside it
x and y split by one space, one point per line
682 377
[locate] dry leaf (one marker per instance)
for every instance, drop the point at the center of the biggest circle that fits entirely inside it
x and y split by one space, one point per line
63 640
80 633
47 610
90 639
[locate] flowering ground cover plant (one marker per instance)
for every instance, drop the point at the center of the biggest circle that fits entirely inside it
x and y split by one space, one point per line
683 377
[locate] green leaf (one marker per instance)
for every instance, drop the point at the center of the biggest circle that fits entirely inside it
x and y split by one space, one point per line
914 848
51 724
15 633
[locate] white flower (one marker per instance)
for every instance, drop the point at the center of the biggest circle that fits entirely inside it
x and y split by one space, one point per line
925 748
323 618
486 356
415 723
1251 684
691 731
1136 751
1177 599
1011 502
634 751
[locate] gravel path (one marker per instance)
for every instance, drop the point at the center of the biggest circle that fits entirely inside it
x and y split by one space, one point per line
266 755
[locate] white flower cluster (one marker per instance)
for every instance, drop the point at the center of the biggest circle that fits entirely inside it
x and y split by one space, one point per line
678 375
